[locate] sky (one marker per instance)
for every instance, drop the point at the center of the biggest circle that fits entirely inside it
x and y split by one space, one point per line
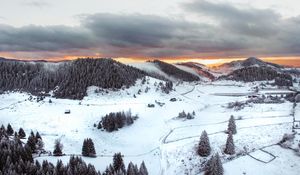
138 29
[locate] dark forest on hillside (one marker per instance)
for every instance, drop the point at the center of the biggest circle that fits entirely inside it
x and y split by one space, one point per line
68 79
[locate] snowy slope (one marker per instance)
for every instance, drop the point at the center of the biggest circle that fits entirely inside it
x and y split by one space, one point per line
166 144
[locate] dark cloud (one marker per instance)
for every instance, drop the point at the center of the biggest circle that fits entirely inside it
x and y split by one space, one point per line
246 21
39 38
236 31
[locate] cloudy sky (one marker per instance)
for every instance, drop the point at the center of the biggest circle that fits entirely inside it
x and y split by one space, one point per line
142 29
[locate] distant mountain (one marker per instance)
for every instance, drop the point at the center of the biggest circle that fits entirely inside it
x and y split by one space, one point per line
66 79
165 71
254 69
201 70
259 73
250 62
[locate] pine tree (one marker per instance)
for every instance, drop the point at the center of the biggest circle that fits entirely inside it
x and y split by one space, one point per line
231 125
143 169
229 149
22 133
204 145
92 151
31 141
39 144
118 163
57 148
130 169
214 166
9 130
88 148
38 136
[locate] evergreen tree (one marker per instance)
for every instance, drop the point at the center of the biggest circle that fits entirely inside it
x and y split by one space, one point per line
214 166
38 136
22 133
31 141
9 130
231 125
131 169
118 163
88 148
143 169
229 149
204 145
57 148
39 144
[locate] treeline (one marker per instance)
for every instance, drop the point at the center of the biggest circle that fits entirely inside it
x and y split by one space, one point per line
16 158
68 79
116 120
175 72
250 74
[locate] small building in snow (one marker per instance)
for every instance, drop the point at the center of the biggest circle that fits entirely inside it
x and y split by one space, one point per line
67 111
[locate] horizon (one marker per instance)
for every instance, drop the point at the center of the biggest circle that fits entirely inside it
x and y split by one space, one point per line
212 62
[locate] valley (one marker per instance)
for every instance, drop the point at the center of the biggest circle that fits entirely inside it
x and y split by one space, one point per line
166 144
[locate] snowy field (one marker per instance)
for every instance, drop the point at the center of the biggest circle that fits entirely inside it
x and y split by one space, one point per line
166 144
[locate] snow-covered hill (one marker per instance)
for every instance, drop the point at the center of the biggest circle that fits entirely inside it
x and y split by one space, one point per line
166 144
249 62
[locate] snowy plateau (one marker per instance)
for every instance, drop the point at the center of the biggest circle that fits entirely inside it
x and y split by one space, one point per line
165 143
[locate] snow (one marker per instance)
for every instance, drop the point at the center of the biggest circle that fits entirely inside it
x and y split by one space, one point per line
286 162
166 144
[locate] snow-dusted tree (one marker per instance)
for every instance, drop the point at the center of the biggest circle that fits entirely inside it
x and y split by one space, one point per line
31 141
204 145
214 166
143 169
132 169
118 163
22 133
229 149
39 144
38 136
88 148
57 148
231 125
9 130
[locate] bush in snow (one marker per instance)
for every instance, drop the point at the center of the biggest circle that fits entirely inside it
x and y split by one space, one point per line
88 149
214 166
57 148
229 149
204 145
286 141
231 125
236 105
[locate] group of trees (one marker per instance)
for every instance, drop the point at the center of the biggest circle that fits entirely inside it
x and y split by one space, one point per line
250 74
35 142
185 115
88 148
16 158
118 167
214 165
9 131
72 78
167 87
115 120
